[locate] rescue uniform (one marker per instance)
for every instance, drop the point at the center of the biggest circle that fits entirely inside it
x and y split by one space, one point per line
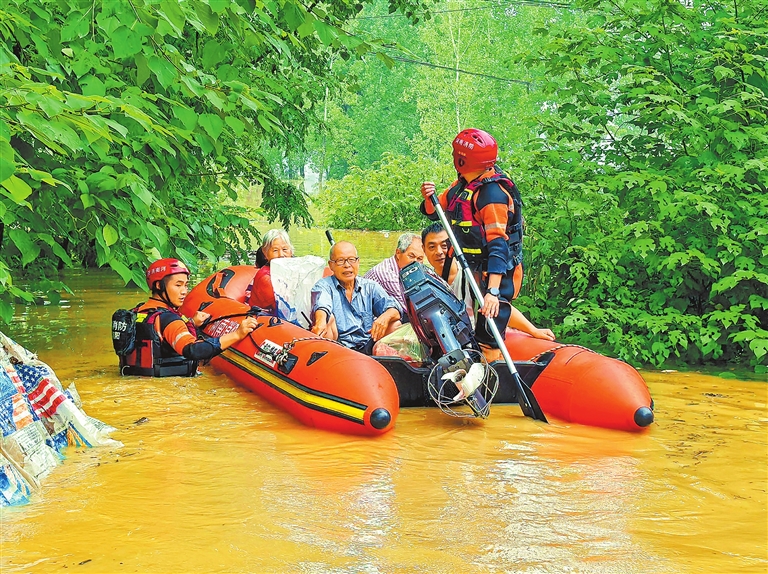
486 218
166 343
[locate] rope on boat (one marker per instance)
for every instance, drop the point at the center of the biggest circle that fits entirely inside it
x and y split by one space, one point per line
538 355
282 356
292 343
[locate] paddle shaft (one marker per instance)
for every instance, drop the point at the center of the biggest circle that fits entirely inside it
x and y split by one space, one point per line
527 401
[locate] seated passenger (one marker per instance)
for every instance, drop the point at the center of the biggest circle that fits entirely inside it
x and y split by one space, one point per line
274 244
167 335
387 273
436 249
362 310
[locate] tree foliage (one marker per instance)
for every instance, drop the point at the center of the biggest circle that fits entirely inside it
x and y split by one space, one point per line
639 145
126 127
382 197
649 189
365 116
455 69
635 129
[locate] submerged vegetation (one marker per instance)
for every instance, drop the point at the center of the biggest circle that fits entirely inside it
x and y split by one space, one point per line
635 130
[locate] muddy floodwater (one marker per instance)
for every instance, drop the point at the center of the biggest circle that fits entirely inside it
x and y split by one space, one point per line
211 478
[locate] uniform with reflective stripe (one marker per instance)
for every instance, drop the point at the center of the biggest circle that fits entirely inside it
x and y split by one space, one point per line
486 216
158 351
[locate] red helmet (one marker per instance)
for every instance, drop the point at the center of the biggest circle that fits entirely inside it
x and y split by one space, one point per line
474 150
162 268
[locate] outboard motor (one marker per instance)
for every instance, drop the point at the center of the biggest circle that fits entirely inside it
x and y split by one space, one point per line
438 317
441 322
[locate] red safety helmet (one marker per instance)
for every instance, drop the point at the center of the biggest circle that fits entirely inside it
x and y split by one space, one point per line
474 150
162 268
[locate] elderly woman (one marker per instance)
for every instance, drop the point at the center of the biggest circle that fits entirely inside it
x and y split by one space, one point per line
275 243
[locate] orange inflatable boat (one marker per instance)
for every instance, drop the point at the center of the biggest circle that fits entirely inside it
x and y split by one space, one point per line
581 386
571 383
326 385
568 382
293 368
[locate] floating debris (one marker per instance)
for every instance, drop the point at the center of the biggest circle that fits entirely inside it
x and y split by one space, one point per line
38 419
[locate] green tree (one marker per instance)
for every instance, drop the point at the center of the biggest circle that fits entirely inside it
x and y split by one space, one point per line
126 127
366 116
480 83
652 179
382 197
454 70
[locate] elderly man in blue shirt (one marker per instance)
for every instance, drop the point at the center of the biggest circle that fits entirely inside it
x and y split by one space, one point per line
353 310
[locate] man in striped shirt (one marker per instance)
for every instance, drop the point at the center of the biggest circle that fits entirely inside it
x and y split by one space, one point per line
387 273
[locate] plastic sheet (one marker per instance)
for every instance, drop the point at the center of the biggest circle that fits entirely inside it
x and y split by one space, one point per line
292 281
402 342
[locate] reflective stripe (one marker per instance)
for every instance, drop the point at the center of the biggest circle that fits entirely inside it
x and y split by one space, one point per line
179 337
469 250
495 226
310 398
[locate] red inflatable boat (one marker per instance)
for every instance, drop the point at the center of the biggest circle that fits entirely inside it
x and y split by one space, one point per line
293 368
571 383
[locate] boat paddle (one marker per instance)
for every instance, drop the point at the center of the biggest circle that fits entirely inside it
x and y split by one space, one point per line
525 397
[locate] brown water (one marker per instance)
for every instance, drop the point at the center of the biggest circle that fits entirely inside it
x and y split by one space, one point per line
218 480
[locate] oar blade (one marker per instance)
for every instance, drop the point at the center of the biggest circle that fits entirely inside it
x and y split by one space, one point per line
527 400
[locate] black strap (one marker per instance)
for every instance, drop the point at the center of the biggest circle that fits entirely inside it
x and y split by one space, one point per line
447 266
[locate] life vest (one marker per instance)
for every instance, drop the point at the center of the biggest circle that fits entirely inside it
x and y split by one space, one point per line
462 211
150 356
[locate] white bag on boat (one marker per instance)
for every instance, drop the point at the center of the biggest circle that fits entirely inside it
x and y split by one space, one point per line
292 281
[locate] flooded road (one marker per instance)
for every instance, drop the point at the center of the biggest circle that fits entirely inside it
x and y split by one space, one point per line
211 478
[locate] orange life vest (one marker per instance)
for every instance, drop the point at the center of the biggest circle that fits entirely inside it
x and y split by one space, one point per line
462 212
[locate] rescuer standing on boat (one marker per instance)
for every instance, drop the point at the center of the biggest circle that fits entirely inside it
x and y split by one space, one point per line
166 343
485 211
